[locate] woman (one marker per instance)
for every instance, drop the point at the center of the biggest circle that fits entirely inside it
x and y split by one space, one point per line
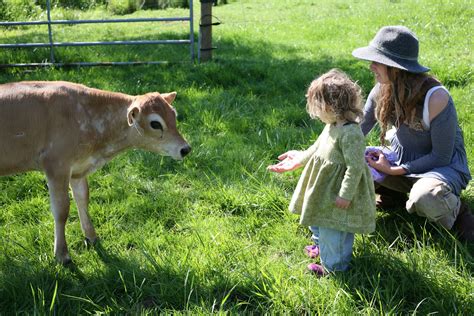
417 115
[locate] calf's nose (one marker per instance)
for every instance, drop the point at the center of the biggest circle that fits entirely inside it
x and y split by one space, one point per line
185 150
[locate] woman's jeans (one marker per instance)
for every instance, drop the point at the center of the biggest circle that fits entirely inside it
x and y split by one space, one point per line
335 247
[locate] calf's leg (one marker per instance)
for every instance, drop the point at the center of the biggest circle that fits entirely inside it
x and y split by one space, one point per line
80 191
59 197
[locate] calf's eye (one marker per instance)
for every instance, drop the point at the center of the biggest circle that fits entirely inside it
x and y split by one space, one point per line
156 125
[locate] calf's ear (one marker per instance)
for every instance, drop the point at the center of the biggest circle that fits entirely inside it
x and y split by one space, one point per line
132 114
169 97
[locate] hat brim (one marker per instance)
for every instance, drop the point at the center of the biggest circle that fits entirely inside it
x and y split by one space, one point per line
371 54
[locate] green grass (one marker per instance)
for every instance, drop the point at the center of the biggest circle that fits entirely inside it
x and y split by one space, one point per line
212 233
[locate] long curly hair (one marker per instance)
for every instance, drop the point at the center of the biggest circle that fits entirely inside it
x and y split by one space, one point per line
333 96
398 102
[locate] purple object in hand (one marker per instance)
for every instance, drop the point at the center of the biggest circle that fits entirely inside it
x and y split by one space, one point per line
391 156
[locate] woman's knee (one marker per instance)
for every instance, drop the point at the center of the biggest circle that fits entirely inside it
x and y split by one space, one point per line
433 199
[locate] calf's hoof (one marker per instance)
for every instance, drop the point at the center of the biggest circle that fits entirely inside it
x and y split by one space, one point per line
64 260
91 242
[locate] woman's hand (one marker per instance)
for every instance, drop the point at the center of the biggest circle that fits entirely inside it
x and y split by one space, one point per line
288 162
342 203
378 161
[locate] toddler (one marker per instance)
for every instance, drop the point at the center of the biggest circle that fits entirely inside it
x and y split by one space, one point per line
335 193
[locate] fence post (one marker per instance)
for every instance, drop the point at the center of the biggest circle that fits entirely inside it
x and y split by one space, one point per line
50 33
205 31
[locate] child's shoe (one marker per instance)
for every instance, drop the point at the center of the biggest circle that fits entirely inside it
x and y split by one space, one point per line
317 269
311 251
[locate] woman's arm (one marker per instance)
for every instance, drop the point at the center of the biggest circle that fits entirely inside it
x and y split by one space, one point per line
369 120
437 103
443 128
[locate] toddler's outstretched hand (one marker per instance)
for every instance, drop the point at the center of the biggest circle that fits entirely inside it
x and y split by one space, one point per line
288 161
342 203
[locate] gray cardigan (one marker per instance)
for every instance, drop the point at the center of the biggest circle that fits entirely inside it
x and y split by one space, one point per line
435 153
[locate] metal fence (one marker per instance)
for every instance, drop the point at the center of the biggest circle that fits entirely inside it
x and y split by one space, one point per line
52 44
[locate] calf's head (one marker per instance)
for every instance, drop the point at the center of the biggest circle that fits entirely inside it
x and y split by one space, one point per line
154 119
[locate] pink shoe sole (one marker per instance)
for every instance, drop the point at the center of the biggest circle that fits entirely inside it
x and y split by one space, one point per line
316 269
311 251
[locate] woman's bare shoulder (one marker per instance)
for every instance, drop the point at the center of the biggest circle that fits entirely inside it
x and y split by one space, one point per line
438 102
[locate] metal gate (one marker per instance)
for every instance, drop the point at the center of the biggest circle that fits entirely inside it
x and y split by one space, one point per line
52 44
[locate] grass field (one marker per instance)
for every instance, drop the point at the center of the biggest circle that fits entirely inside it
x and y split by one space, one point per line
212 234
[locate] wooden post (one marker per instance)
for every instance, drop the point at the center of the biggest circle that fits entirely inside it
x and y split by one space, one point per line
205 29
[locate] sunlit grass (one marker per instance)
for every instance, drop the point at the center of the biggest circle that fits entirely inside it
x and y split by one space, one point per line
212 233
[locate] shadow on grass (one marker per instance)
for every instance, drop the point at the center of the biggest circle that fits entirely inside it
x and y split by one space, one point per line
120 285
413 229
392 286
183 288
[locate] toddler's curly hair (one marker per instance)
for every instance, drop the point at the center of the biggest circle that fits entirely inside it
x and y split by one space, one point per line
335 92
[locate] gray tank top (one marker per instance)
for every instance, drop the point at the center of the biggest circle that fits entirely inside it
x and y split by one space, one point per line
436 150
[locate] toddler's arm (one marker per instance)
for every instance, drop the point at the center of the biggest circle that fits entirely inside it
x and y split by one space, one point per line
293 159
342 203
288 161
352 145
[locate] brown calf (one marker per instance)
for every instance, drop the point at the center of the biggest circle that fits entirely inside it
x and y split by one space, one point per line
69 130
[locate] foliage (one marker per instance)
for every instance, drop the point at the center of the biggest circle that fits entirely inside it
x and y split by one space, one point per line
121 7
212 234
16 10
77 4
163 4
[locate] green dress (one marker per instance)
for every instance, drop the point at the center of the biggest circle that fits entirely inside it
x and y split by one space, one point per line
335 166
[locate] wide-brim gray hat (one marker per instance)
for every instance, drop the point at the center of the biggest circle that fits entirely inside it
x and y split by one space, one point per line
394 46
